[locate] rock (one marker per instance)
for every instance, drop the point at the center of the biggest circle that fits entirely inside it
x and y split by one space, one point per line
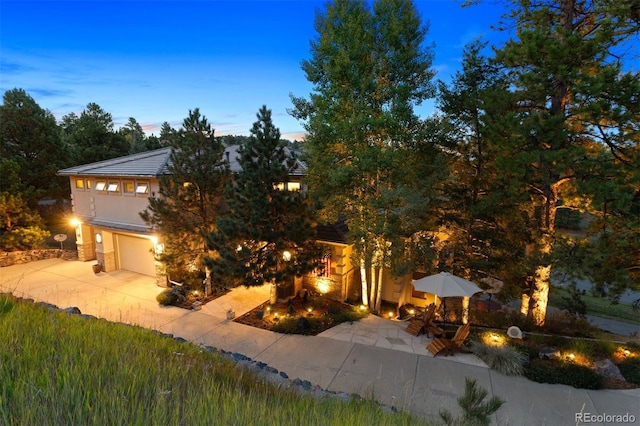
72 310
548 353
607 368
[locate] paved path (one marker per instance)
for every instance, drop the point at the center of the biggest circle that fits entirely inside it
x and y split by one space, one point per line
373 357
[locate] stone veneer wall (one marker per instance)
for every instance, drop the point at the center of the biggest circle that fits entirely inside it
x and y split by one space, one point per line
8 258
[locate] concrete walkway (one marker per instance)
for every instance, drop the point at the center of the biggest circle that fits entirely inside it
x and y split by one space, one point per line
373 357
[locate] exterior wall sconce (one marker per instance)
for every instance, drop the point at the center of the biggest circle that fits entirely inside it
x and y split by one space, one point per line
99 238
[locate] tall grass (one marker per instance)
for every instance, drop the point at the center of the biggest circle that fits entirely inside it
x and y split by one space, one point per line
63 369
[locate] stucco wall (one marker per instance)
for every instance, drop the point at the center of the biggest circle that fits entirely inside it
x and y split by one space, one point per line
116 207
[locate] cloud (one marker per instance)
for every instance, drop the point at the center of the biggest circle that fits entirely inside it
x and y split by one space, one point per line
13 68
47 93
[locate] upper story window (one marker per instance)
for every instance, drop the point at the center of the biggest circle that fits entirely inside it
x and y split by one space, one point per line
80 184
128 187
142 187
288 186
101 185
113 186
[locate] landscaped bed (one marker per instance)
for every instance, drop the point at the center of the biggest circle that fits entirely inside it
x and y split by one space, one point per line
578 362
309 315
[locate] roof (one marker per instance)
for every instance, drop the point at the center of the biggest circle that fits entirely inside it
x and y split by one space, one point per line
333 232
154 164
147 164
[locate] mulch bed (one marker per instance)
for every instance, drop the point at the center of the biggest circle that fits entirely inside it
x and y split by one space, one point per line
264 317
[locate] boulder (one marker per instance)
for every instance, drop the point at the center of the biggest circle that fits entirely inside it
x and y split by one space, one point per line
548 353
607 368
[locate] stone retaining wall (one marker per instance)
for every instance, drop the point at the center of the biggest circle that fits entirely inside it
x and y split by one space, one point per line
18 257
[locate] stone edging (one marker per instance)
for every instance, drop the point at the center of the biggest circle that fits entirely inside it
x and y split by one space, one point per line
9 258
278 378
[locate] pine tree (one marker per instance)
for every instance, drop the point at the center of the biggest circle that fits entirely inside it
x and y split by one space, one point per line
573 94
483 222
191 195
267 235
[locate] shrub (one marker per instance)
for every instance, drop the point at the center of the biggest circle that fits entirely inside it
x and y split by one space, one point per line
566 373
171 296
475 410
298 325
630 369
504 359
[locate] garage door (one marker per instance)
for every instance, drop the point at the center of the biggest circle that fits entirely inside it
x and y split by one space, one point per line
134 254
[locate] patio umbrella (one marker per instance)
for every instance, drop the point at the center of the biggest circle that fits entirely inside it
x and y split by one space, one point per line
446 285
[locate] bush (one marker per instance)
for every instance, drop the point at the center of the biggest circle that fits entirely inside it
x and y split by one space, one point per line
504 359
171 296
566 373
630 369
299 325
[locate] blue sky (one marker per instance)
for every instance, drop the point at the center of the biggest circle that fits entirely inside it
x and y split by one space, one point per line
156 60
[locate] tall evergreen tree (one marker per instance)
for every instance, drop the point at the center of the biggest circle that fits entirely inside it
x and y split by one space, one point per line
191 195
573 93
92 137
482 218
267 235
369 68
30 149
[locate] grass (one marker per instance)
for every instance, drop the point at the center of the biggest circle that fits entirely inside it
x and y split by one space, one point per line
598 306
64 369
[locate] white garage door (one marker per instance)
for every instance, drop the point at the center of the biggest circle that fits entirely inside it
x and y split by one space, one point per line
134 254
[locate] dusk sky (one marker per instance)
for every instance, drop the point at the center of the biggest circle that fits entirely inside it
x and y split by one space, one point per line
156 60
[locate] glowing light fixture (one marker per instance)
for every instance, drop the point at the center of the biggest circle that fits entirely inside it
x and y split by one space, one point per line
74 222
98 238
362 307
286 256
412 311
390 314
572 356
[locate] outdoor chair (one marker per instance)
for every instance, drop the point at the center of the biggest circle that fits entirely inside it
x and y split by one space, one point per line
423 324
449 346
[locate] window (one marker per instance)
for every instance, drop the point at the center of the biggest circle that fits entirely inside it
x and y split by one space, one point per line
324 270
101 185
88 184
293 186
142 188
79 183
128 187
113 187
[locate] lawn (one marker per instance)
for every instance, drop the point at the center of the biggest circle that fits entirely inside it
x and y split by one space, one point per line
57 368
598 306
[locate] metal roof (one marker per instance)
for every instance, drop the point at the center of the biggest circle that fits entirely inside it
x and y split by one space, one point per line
147 164
154 164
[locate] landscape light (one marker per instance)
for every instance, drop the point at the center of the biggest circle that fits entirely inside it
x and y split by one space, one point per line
390 314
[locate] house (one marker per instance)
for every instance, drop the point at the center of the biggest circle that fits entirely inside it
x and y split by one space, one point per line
107 197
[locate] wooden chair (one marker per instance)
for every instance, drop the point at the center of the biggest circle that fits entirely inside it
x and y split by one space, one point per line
423 323
450 346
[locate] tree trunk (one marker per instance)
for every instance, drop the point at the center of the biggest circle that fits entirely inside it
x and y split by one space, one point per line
363 280
379 290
